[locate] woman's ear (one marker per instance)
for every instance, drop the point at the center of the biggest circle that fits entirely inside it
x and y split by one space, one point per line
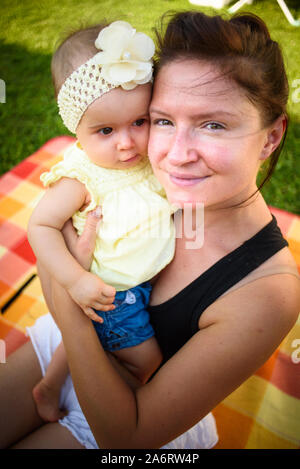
274 136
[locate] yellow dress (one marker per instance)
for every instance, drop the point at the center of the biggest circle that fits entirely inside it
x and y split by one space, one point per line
136 236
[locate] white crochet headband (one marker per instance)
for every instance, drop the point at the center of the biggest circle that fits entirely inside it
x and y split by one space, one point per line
125 60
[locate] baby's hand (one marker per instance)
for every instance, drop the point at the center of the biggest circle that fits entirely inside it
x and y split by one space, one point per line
89 292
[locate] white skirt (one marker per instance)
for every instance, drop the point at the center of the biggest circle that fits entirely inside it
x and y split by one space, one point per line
45 337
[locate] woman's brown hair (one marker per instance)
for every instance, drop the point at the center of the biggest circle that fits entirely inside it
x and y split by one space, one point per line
241 48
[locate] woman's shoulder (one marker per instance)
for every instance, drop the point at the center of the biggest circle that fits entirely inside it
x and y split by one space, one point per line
269 295
280 263
280 281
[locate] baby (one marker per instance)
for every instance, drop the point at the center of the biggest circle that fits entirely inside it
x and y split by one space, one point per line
103 98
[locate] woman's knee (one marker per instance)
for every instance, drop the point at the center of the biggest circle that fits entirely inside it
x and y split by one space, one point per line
49 436
18 415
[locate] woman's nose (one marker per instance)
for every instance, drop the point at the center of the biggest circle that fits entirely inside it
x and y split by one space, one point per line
181 151
125 141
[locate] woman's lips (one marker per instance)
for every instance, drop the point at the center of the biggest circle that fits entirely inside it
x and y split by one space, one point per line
184 181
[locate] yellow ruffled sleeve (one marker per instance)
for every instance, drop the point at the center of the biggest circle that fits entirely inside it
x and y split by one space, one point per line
74 166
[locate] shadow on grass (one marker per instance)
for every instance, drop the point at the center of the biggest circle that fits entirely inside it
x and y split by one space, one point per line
29 117
292 4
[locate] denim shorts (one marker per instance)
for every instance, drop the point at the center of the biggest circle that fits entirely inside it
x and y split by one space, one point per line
128 324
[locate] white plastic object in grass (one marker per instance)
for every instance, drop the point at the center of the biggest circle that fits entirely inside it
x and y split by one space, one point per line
211 3
281 3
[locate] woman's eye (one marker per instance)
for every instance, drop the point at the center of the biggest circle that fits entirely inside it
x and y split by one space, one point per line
105 131
214 126
162 122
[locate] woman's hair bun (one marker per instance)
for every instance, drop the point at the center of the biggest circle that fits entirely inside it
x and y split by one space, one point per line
253 22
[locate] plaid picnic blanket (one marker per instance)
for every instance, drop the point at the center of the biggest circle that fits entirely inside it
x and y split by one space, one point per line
262 413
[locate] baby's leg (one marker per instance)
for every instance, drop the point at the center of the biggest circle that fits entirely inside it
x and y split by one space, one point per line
47 392
141 360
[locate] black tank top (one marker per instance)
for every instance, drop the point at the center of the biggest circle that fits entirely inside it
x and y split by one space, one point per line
176 320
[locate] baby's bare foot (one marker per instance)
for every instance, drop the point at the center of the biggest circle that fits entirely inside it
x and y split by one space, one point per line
47 402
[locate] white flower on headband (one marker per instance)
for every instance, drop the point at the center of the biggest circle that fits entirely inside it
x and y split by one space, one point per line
126 57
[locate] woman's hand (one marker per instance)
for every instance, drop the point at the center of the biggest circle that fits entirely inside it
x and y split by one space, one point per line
82 247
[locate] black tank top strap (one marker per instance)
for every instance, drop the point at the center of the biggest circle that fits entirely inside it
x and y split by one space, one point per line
176 320
239 263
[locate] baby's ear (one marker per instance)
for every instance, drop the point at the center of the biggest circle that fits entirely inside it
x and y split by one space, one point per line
274 137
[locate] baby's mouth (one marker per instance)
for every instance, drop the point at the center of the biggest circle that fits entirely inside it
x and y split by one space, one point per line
131 159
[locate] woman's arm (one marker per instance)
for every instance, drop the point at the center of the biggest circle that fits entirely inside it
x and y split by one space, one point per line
242 330
82 248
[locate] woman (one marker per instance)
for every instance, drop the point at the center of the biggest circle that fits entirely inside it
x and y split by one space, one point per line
219 311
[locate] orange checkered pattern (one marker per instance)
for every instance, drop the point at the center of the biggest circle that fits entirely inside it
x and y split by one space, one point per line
262 413
21 299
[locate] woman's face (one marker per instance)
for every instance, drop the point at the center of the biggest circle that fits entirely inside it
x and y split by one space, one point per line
206 138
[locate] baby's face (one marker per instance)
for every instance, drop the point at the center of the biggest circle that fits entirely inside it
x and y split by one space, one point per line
114 130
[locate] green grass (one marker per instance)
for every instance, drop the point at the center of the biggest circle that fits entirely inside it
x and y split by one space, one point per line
29 31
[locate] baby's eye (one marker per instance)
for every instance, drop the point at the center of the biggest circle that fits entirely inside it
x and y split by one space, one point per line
105 131
139 122
214 126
